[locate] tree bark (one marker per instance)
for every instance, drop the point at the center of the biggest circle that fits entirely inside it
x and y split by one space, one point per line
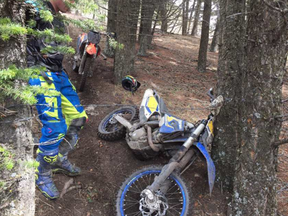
191 15
216 32
175 23
202 57
127 19
111 25
145 34
163 16
16 135
196 18
155 22
251 67
185 8
266 52
230 65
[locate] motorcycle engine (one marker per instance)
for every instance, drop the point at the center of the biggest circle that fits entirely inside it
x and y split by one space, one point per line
137 134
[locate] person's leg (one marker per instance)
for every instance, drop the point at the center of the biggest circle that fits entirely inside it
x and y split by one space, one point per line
75 117
53 130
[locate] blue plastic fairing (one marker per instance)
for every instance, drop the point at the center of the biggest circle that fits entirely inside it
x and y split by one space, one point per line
210 165
171 124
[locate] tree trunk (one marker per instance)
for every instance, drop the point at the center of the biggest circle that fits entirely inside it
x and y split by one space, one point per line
153 28
254 179
175 23
185 8
216 32
191 15
202 57
111 25
163 16
16 135
196 18
251 66
145 35
230 65
127 19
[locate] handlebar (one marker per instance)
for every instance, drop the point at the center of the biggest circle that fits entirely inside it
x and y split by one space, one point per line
211 94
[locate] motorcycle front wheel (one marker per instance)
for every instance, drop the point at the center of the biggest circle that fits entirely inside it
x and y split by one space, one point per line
110 129
85 67
177 197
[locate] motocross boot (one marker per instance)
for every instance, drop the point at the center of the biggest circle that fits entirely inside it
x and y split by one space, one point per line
43 175
63 165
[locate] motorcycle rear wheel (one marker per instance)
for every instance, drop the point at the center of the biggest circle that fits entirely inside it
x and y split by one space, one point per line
85 66
128 198
109 130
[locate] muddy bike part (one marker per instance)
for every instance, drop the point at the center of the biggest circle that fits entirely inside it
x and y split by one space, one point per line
176 159
110 129
172 200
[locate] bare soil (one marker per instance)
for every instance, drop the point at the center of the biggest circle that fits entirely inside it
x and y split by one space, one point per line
170 68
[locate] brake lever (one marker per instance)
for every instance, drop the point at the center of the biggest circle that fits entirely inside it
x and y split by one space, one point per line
210 94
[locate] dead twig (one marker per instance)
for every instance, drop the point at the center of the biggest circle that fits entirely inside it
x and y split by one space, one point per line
280 142
7 112
73 187
4 205
47 203
284 11
283 101
66 186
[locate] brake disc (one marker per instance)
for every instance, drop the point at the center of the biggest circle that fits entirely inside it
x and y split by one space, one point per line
158 207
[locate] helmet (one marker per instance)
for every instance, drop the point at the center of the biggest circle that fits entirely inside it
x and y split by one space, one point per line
129 83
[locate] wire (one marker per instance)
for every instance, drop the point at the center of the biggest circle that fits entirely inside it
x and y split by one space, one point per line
89 105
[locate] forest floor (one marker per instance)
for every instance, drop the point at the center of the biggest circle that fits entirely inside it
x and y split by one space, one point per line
171 69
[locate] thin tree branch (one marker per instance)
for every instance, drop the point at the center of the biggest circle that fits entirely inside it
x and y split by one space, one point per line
237 14
284 11
280 142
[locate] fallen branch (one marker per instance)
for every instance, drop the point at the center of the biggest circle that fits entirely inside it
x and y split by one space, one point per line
280 142
66 186
46 203
73 187
4 205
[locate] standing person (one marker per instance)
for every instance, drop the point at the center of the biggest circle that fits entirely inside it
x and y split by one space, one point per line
59 110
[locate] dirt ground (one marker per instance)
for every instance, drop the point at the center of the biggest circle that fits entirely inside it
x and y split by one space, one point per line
170 68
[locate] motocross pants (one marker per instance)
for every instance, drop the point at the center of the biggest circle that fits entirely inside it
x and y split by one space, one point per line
59 110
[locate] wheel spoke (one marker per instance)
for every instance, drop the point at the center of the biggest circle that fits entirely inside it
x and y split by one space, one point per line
174 196
129 207
135 213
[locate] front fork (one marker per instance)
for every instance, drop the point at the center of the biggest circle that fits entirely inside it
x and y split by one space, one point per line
178 161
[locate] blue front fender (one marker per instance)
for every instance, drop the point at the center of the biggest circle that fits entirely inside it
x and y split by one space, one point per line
210 165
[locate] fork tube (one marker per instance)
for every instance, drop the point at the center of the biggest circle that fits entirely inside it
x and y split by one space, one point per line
174 161
189 142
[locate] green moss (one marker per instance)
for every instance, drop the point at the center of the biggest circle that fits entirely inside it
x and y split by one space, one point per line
31 164
6 159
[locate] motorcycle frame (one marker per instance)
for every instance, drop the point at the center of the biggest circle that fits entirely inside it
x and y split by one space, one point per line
182 156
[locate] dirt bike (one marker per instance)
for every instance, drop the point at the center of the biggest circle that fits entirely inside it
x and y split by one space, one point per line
87 49
160 191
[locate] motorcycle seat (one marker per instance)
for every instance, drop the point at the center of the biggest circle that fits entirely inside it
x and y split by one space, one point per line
171 124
